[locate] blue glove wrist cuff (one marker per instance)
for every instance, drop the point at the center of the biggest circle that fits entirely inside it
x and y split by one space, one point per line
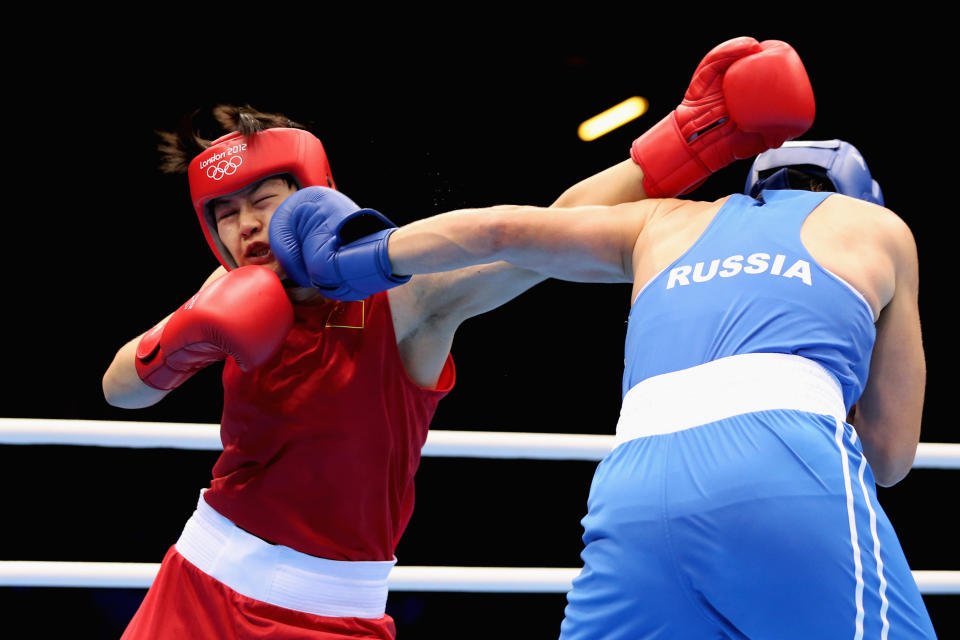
363 268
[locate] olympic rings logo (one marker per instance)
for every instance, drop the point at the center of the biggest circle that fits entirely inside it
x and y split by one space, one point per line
224 168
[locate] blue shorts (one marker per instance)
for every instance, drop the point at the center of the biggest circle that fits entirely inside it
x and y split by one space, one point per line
763 525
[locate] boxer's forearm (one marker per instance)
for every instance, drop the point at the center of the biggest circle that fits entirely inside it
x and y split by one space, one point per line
445 242
620 183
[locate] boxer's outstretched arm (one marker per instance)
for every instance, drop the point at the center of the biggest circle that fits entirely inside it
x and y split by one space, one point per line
582 244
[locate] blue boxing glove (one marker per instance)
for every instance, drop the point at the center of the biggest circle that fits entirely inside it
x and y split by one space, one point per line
322 239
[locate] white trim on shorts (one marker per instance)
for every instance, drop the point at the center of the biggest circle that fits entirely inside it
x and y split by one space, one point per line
279 575
725 388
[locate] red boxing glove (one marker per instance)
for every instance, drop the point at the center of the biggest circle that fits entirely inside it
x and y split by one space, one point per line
745 97
246 315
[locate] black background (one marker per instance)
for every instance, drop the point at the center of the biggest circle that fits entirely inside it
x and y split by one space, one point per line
415 122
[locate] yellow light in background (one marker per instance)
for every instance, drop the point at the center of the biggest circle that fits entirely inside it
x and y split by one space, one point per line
604 123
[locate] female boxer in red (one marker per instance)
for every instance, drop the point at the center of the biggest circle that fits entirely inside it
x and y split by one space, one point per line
296 534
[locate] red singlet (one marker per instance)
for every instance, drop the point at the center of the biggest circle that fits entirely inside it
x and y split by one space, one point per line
320 448
321 443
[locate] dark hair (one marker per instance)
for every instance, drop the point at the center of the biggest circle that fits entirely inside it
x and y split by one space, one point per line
178 148
809 178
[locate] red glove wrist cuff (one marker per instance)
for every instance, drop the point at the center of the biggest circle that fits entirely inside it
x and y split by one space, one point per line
151 365
669 165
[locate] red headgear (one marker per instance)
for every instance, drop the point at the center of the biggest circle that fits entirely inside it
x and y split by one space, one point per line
235 161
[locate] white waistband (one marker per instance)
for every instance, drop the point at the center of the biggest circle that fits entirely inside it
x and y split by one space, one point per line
279 575
727 387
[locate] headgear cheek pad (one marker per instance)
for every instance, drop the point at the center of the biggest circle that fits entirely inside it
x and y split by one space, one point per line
839 160
235 161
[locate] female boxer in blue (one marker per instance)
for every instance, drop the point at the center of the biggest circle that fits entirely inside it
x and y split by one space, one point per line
774 375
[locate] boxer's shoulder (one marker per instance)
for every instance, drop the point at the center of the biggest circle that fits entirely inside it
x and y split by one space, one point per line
672 215
866 221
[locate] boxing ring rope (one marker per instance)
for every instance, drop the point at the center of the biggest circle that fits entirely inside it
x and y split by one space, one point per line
440 443
139 575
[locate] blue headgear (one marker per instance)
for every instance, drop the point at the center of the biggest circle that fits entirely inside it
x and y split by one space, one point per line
839 161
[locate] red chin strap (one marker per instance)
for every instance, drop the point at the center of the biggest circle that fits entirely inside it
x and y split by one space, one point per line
235 161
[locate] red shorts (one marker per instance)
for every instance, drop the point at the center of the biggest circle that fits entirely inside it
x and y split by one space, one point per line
184 603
